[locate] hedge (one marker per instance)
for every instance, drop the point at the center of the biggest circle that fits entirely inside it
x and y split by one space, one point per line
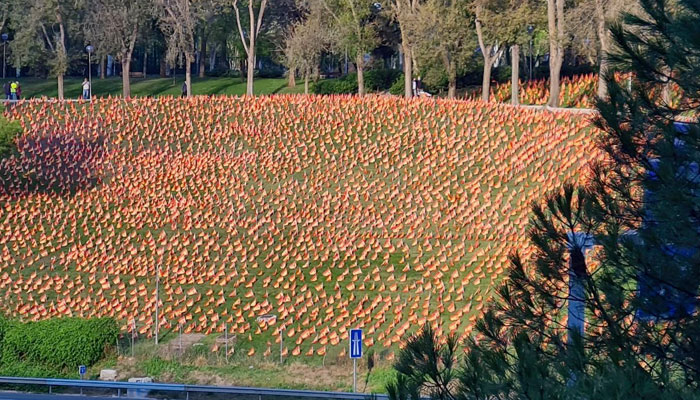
8 131
376 80
57 344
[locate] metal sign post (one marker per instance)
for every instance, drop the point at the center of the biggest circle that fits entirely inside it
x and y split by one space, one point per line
355 353
82 370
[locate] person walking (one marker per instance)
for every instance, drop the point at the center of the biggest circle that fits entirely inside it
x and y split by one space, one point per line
13 91
86 89
419 87
184 89
6 88
19 91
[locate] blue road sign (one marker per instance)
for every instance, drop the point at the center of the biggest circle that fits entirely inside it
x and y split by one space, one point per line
82 370
356 343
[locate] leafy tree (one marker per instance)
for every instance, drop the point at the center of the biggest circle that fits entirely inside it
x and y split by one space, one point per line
355 30
47 28
441 32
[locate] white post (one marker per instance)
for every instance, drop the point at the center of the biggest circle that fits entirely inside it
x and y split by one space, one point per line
133 335
90 74
281 342
157 300
354 375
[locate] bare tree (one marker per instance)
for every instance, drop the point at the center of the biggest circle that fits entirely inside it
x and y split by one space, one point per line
585 30
405 12
556 26
116 25
253 31
487 45
4 14
305 44
178 20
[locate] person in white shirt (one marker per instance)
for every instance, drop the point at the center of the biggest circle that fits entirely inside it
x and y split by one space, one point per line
86 89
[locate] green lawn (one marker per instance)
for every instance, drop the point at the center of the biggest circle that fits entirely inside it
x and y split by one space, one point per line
36 87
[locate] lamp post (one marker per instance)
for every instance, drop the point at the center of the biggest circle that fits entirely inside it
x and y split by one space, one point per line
90 50
530 31
4 53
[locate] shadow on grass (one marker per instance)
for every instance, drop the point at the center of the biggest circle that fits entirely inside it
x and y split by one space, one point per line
52 163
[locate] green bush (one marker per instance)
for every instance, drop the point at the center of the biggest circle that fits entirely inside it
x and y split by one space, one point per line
344 85
58 344
376 80
397 88
8 132
379 80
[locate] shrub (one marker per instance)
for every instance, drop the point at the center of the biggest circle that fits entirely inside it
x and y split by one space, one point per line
58 344
397 88
8 132
344 85
378 80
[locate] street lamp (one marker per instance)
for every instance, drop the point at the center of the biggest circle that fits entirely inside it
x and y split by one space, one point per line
90 50
530 31
4 53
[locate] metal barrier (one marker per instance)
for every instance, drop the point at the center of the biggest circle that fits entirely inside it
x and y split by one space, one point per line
187 389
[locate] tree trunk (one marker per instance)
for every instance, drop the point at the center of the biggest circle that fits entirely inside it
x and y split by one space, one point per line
604 48
360 74
452 86
59 78
555 20
212 59
292 77
486 53
251 70
163 68
407 69
103 67
451 69
306 83
202 55
188 74
126 81
486 81
145 63
515 74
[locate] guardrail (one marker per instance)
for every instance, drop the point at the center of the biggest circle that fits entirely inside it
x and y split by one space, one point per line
187 389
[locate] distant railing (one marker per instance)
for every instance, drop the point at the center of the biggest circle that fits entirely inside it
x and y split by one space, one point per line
187 389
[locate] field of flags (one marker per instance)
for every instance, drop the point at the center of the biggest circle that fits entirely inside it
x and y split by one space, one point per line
312 214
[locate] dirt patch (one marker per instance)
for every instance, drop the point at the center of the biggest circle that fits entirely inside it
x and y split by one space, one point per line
179 346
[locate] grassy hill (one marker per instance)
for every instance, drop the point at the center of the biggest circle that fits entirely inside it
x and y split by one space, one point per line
35 87
328 212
